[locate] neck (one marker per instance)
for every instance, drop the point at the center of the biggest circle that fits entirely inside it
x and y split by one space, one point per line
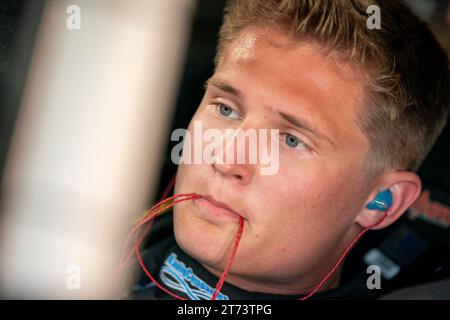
300 287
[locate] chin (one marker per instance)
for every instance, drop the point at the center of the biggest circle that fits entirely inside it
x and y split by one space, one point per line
204 242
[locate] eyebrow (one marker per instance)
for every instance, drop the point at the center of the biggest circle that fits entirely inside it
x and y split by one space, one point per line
224 87
304 124
293 120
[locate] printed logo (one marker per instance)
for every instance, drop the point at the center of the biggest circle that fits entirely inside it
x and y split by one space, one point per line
176 275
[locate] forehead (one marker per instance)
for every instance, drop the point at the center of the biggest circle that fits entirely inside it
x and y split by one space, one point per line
295 77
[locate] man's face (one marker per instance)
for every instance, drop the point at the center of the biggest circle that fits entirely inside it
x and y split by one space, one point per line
297 221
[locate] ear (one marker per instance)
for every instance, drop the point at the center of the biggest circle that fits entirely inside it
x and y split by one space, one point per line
405 187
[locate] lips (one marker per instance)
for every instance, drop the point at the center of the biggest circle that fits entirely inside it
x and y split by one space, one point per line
217 209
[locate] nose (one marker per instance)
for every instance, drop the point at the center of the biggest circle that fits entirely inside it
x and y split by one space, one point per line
236 171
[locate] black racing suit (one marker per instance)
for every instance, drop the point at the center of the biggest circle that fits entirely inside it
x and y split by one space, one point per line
186 277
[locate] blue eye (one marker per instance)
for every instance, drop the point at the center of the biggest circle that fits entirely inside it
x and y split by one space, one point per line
294 142
227 111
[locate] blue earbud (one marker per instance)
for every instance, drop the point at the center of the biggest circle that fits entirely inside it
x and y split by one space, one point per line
382 202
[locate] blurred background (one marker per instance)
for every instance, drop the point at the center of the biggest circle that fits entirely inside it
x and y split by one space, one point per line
151 60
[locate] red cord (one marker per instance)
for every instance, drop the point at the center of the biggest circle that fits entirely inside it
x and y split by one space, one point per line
168 188
150 215
147 217
225 273
138 254
219 283
150 223
136 247
347 250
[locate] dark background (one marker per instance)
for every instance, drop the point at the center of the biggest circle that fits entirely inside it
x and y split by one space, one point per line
19 21
422 248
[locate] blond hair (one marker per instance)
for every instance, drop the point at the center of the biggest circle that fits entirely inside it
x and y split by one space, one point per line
407 72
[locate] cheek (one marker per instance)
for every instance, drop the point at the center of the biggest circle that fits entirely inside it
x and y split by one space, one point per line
302 207
316 188
285 216
296 191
